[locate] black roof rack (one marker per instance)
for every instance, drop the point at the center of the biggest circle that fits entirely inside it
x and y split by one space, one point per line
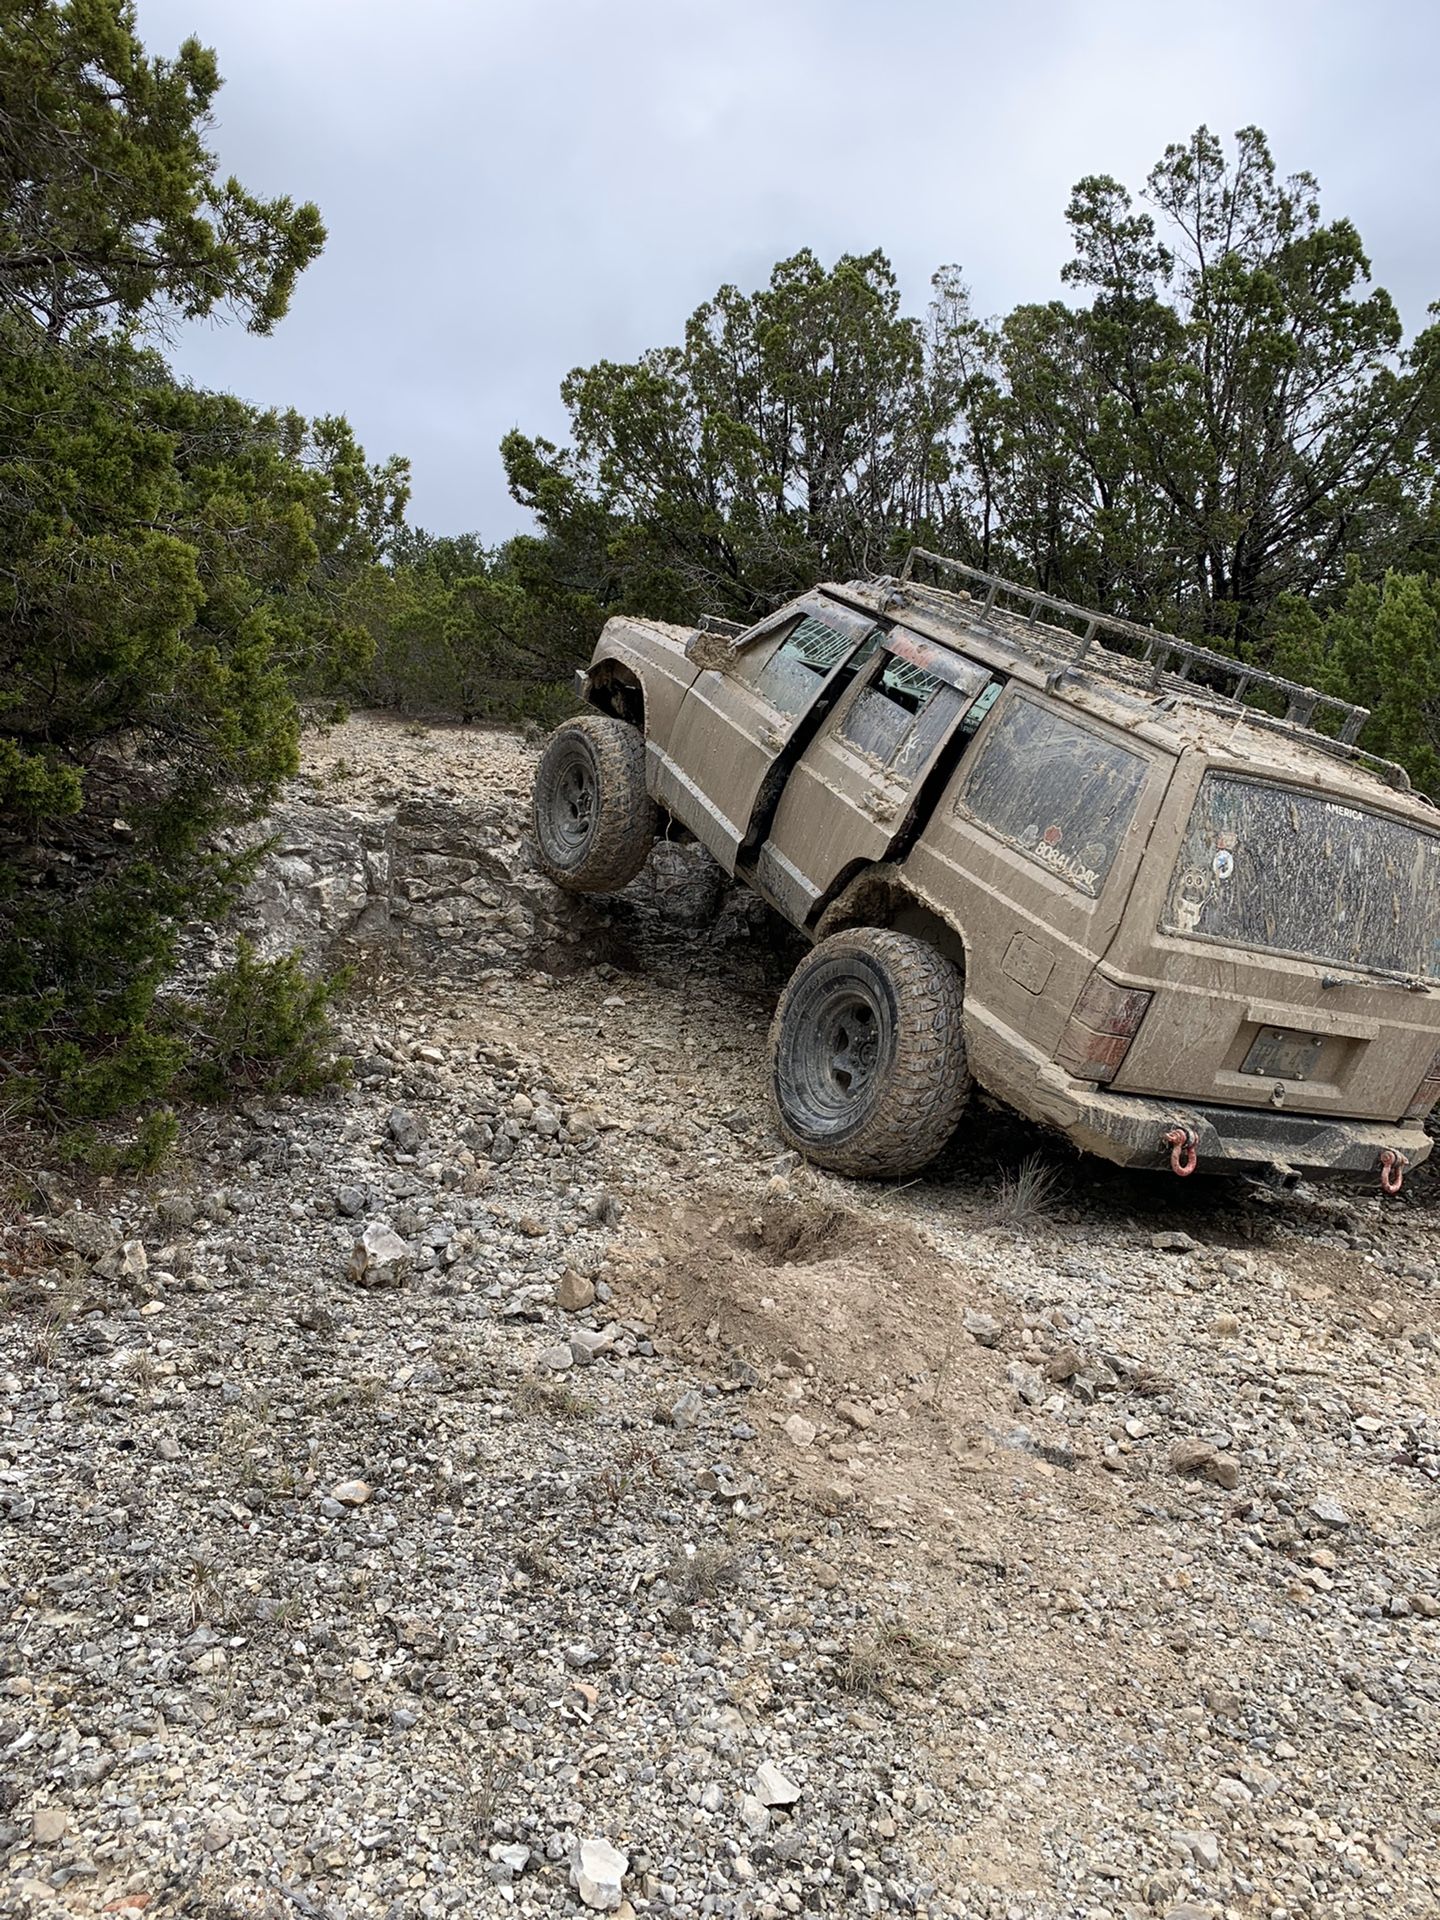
1164 661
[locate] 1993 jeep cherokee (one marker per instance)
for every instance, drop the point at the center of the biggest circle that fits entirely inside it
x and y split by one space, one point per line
1179 928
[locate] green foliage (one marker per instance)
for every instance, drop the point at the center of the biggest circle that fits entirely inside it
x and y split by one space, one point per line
1226 418
142 1151
176 567
179 566
109 199
32 786
1229 416
1379 645
457 629
793 434
264 1027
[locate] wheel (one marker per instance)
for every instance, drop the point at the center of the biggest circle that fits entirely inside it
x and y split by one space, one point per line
594 821
867 1053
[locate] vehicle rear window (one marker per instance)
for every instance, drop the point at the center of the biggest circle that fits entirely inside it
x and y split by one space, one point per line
1062 794
900 718
1306 873
803 661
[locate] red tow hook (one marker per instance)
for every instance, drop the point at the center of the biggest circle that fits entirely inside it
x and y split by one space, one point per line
1184 1145
1392 1169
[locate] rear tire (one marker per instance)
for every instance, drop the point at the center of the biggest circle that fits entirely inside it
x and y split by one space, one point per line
595 822
867 1053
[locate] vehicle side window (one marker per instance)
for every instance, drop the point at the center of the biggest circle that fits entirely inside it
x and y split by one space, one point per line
794 673
1062 794
901 717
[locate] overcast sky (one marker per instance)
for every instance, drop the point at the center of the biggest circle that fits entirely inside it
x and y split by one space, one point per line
515 189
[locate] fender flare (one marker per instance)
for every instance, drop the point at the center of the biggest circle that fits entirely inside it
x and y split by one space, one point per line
881 895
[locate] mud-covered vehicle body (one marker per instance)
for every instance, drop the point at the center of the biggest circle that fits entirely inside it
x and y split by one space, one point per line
1063 856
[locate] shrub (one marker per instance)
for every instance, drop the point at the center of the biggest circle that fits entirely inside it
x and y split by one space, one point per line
264 1026
175 565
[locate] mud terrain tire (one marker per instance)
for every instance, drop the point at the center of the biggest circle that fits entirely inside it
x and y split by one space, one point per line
594 821
867 1054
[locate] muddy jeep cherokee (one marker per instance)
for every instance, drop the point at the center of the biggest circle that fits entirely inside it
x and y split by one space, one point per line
1180 927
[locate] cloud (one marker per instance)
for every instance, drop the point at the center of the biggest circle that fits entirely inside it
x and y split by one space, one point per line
512 189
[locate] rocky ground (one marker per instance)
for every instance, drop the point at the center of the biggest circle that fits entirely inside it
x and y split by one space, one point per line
514 1485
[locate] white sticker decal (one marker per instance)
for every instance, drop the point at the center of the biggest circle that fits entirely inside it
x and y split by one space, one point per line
1223 865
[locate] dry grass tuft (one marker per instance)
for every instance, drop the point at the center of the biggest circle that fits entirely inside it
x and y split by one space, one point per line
555 1397
702 1574
1026 1195
897 1655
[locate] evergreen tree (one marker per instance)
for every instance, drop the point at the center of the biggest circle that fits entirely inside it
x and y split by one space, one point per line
175 566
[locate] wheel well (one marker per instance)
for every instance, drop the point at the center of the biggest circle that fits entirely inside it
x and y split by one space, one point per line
615 689
877 897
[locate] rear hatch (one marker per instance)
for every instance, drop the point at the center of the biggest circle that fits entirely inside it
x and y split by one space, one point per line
1292 944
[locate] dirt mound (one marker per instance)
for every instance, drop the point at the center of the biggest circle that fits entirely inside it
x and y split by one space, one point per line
870 1354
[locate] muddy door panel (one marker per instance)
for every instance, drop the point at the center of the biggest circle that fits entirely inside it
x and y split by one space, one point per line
1034 847
1238 1021
851 794
739 725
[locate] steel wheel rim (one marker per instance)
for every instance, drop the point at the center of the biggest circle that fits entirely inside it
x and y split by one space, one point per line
575 804
840 1051
572 805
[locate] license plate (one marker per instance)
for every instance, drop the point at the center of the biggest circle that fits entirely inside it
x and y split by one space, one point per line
1279 1053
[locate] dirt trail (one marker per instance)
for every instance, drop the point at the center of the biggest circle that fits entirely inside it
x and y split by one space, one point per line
1120 1644
1109 1571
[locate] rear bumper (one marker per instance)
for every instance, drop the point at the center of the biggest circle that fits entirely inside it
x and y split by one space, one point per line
1130 1128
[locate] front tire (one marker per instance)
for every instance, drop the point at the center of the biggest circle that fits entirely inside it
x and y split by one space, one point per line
867 1054
595 823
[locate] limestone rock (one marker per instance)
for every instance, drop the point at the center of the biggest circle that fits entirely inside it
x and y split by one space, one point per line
380 1258
772 1788
984 1329
597 1871
573 1292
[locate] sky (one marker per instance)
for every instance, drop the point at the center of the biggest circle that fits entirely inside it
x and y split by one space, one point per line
514 188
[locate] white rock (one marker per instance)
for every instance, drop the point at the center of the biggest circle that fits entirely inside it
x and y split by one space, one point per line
596 1871
1328 1511
754 1816
800 1430
127 1262
587 1345
380 1257
351 1493
771 1788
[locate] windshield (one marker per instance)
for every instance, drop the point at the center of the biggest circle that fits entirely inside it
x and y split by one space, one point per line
1303 873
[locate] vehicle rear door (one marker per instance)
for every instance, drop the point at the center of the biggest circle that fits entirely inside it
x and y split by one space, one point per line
851 796
741 725
1034 847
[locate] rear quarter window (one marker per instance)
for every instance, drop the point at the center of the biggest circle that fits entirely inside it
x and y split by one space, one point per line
899 720
1060 793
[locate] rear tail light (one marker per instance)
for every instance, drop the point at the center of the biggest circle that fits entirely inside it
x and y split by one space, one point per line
1106 1019
1426 1094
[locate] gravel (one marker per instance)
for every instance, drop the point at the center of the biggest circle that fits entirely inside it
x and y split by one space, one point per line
513 1484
